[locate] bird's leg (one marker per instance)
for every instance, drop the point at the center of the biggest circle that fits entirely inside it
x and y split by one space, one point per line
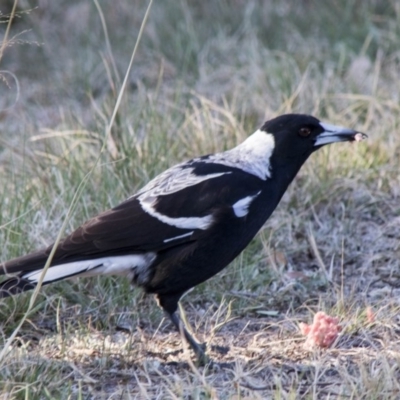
199 349
169 303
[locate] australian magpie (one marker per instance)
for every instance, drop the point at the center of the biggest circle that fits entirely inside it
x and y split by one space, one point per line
188 223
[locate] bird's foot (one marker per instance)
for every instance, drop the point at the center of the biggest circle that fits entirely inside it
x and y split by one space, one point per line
202 359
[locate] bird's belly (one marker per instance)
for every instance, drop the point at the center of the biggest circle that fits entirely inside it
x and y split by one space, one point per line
180 269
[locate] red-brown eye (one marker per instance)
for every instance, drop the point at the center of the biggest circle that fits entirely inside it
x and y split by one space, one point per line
304 132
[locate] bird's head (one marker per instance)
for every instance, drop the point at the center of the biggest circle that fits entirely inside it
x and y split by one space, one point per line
298 135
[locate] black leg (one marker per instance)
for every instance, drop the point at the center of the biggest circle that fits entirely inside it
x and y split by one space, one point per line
169 303
199 349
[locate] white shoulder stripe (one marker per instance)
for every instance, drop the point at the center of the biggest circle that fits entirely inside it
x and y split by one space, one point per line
241 207
181 222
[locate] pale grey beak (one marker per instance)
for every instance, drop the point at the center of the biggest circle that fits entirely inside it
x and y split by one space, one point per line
333 133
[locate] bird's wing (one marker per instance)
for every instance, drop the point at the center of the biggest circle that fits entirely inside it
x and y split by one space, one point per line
177 207
174 208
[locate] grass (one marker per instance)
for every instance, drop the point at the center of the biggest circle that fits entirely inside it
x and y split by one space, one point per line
206 75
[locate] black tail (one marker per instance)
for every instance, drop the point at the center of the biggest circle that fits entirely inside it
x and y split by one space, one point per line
18 284
15 285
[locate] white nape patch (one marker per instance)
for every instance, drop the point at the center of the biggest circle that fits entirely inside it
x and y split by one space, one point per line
135 265
173 180
203 223
241 207
178 237
252 156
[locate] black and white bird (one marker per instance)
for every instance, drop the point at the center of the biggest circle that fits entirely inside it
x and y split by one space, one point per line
188 223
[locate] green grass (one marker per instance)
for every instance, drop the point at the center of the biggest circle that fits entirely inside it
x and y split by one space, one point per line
206 75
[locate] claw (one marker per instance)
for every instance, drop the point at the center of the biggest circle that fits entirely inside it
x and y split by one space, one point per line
199 348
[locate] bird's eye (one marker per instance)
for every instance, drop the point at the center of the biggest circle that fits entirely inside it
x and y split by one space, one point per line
304 132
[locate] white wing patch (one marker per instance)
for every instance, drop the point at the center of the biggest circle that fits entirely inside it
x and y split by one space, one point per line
171 181
241 207
136 265
203 223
